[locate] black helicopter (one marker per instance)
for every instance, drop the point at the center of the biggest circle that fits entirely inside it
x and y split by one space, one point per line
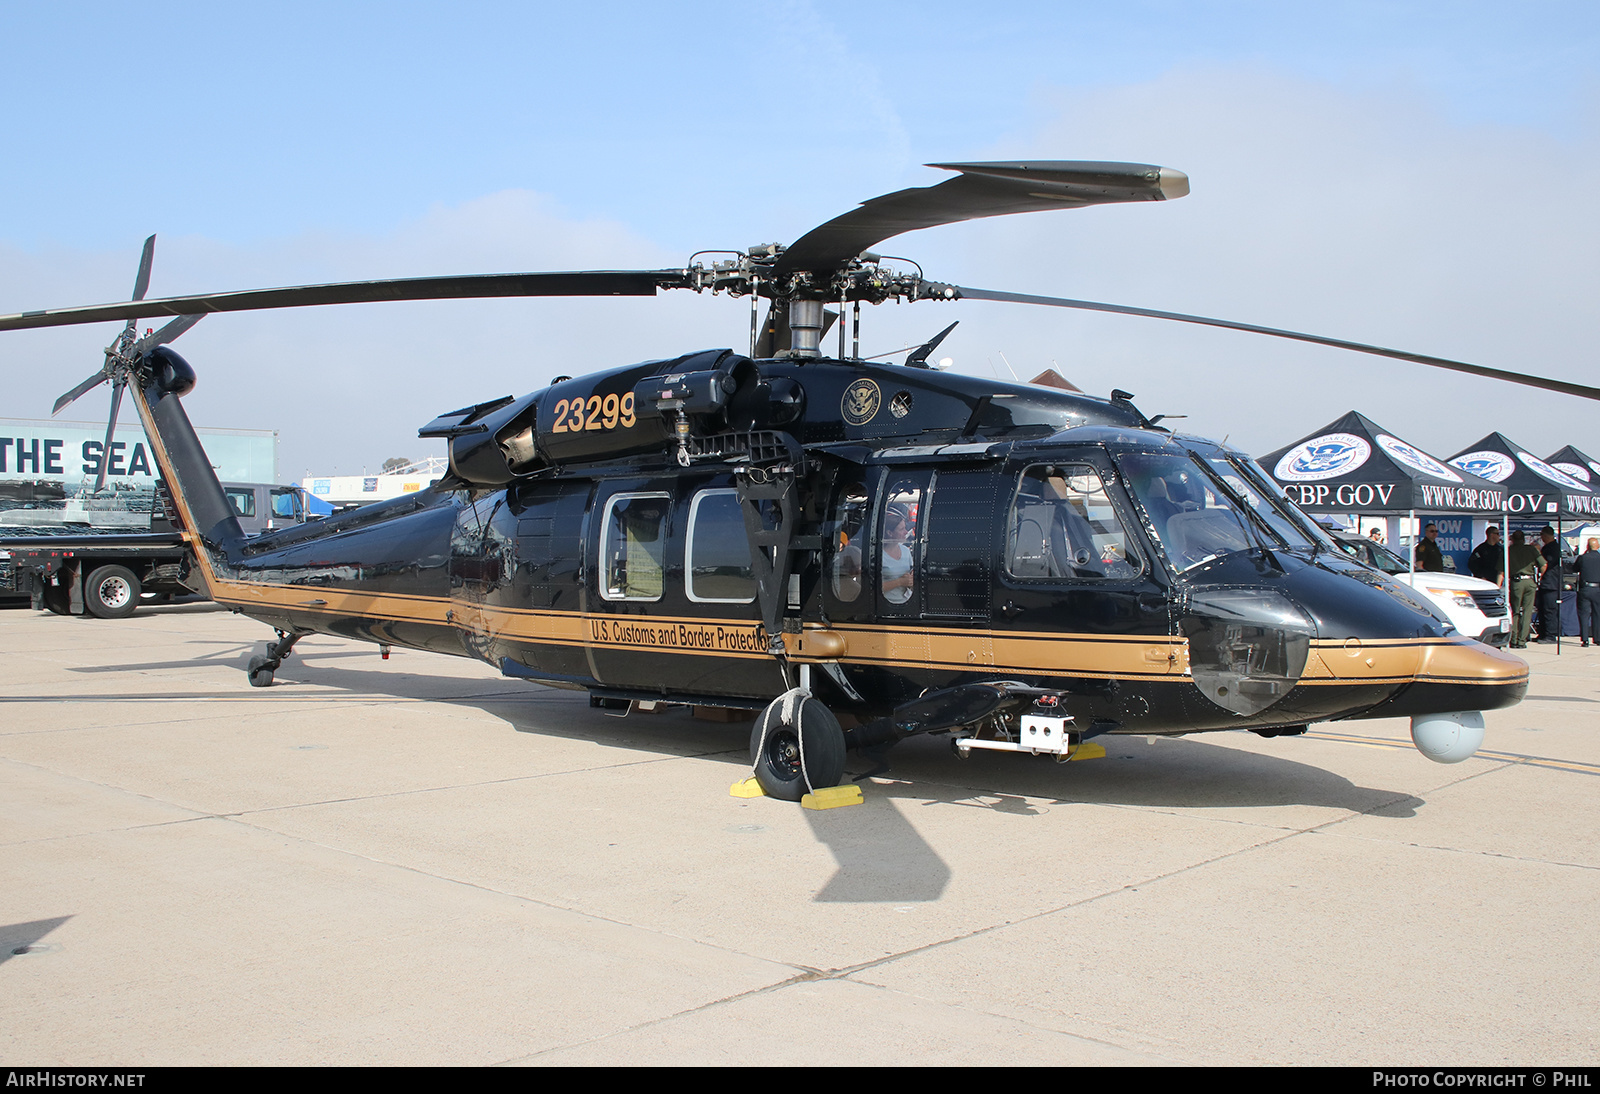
812 537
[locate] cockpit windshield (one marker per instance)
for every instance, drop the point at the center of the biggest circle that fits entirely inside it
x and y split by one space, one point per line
1235 479
1194 519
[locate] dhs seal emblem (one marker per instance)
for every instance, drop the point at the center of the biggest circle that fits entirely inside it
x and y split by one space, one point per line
1326 457
1560 478
861 402
1415 458
1487 464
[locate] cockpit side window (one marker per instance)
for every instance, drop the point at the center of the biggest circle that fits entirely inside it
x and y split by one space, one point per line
1194 520
1063 526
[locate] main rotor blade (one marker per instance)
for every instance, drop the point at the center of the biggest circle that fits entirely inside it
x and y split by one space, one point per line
98 378
1316 339
470 286
111 429
141 283
165 334
981 190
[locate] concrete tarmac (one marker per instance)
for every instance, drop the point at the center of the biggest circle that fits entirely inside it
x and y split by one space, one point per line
416 861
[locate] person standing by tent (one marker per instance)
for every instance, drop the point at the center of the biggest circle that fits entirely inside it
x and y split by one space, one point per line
1549 586
1487 562
1429 558
1526 565
1589 593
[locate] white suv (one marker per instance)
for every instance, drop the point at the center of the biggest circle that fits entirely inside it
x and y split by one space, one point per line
1476 608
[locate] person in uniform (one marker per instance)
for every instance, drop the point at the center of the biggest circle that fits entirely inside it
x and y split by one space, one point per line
1429 557
1549 586
1487 562
1589 593
1526 565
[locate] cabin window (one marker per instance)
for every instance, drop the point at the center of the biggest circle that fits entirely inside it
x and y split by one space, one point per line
243 502
897 543
847 538
633 545
1064 526
719 550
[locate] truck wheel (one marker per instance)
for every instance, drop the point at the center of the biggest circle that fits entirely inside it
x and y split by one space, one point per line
795 746
111 592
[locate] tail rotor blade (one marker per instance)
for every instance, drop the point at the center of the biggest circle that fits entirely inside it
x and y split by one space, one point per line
1523 378
141 283
111 429
71 396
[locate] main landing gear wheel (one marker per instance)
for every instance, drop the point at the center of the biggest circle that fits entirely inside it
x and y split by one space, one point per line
111 592
260 671
795 746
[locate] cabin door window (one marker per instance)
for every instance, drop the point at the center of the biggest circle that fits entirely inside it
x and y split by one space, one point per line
847 536
718 570
899 545
633 543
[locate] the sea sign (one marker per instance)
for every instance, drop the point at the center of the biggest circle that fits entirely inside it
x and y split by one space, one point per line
1577 472
1326 457
70 452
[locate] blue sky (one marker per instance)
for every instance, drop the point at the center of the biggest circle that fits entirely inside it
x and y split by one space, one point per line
1418 175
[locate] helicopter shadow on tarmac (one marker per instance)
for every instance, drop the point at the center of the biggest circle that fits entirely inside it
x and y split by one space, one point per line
881 855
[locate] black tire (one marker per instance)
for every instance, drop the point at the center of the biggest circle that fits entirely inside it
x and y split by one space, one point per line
795 746
111 592
260 671
57 600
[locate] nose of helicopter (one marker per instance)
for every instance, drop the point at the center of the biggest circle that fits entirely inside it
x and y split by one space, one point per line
1452 681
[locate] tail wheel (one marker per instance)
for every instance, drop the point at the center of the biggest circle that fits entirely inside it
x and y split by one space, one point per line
111 592
795 746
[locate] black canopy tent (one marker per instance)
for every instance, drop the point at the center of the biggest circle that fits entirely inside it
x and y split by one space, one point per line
1354 465
1579 465
1534 488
